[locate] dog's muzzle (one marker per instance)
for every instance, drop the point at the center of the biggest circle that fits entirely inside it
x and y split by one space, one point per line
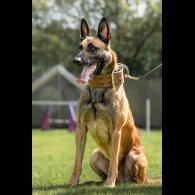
78 61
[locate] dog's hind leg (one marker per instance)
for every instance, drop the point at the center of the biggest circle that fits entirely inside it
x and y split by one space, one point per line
135 165
99 164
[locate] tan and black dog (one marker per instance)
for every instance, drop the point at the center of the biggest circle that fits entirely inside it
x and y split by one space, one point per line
104 111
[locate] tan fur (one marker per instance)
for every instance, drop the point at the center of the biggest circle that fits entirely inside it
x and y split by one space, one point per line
120 156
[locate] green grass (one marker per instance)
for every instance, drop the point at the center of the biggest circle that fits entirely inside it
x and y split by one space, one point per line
53 157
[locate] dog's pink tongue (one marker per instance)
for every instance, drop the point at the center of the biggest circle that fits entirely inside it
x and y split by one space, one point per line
87 70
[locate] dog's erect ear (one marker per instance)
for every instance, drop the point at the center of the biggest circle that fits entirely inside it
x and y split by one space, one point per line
84 29
103 31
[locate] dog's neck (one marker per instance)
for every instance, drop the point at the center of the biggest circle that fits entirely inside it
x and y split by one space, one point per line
113 80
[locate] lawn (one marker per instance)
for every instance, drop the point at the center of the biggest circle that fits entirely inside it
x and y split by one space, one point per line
53 157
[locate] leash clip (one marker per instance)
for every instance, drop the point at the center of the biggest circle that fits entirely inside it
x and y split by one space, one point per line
112 78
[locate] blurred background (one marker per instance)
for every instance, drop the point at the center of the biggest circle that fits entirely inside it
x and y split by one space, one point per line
136 28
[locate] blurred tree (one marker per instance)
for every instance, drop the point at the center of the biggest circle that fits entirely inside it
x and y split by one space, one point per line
136 27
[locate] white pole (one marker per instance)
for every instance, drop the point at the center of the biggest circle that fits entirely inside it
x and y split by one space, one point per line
148 115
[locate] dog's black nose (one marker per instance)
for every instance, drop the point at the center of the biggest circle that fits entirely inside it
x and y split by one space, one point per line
77 61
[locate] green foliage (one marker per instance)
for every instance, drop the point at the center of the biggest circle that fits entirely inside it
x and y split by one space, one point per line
53 159
137 36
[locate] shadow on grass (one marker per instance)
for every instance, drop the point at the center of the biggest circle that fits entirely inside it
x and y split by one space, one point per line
52 187
92 187
66 186
91 183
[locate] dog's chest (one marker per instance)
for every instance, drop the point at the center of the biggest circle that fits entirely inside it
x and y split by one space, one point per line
99 124
96 116
97 95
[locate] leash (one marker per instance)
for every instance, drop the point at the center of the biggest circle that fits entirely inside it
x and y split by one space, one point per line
138 78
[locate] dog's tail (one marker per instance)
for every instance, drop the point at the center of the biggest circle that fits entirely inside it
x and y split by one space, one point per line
153 180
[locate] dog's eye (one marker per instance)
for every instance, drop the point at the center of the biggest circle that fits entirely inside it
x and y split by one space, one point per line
91 47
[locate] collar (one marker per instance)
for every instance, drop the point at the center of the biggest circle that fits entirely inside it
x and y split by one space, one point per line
115 79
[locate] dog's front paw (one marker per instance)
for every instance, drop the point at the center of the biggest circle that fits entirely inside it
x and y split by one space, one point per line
109 183
73 182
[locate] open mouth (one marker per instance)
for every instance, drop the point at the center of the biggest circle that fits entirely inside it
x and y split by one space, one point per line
88 72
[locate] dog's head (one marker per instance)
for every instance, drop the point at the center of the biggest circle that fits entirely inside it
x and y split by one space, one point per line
95 54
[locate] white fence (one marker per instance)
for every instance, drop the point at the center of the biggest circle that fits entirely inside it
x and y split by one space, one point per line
66 119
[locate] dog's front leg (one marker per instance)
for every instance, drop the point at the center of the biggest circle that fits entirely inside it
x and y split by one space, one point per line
113 166
81 135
